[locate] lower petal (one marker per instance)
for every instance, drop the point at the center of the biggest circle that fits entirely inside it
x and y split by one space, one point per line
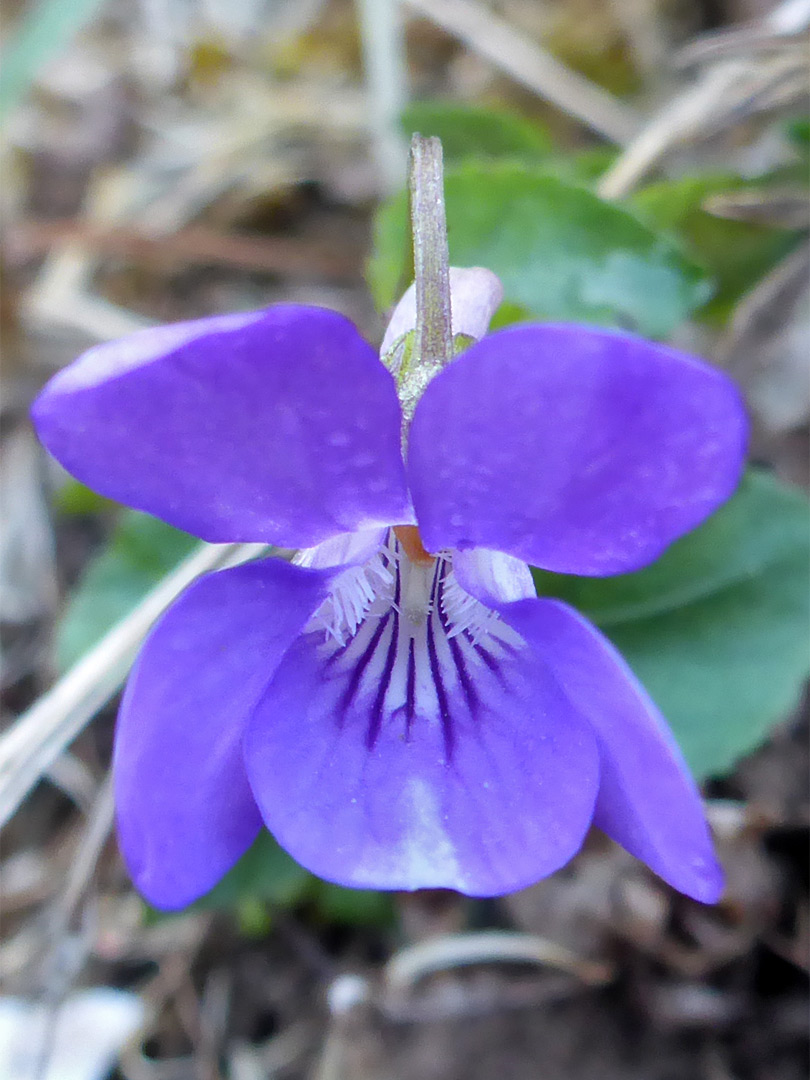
421 755
185 810
647 802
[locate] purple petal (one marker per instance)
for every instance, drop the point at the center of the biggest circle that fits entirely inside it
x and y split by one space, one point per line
494 578
647 799
347 549
185 809
279 425
422 754
582 451
475 294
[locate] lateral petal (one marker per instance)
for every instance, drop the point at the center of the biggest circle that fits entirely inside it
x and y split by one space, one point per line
185 809
648 801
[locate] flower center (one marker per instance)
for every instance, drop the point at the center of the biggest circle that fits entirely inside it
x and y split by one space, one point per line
411 542
404 640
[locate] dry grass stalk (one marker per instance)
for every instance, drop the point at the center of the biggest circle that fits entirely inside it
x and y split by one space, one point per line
530 65
38 737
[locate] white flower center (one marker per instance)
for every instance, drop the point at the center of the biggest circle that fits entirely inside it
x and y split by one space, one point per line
405 640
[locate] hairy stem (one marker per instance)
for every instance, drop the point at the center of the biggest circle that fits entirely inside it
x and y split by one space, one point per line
433 345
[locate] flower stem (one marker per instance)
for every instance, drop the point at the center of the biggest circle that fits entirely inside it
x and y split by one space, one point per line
433 345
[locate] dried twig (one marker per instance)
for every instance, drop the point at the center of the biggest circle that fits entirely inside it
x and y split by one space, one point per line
787 20
60 295
410 965
766 346
727 91
383 56
195 244
87 854
39 736
68 939
532 66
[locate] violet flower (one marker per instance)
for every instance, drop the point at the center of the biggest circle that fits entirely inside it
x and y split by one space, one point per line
398 719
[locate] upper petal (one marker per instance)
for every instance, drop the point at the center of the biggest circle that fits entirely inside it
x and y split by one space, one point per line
582 451
647 799
278 425
475 294
185 809
422 754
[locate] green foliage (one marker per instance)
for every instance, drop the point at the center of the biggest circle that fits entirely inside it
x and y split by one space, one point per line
736 253
717 628
799 132
141 551
488 134
351 907
266 876
266 873
75 499
582 166
762 524
472 132
560 251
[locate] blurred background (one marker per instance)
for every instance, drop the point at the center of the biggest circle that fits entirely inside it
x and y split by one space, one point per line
636 163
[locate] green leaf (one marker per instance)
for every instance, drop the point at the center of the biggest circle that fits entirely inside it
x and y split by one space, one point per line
469 131
560 251
583 166
264 873
761 525
47 28
77 500
141 551
736 253
267 876
507 315
352 907
716 629
798 131
726 670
